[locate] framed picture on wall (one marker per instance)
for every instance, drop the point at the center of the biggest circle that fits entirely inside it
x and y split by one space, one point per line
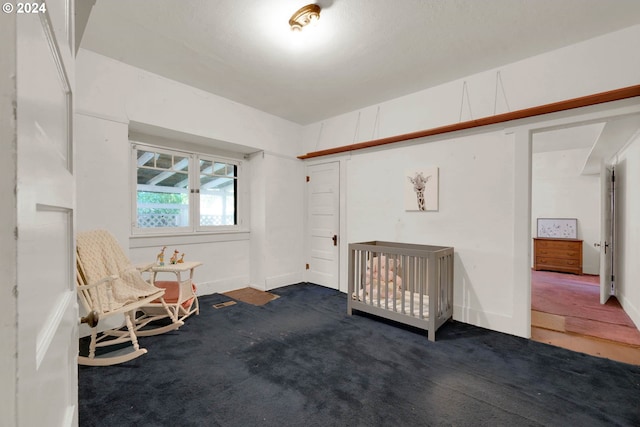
421 189
558 228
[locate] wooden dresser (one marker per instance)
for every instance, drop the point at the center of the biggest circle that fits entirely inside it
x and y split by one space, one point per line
563 255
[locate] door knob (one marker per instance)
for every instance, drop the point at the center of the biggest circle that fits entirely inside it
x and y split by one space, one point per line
597 245
91 319
335 240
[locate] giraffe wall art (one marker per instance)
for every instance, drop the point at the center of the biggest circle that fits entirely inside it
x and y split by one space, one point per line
421 190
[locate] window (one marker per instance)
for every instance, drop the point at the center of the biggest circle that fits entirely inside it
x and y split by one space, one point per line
183 192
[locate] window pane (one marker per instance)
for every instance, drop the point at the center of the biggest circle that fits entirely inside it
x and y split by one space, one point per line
180 162
217 201
219 168
162 194
160 209
146 158
164 161
205 166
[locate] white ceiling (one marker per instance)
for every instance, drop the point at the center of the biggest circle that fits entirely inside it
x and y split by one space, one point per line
569 138
361 52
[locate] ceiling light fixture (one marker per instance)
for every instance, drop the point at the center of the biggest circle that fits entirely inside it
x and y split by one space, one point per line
304 16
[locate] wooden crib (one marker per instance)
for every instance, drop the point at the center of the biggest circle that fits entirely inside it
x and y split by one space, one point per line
407 283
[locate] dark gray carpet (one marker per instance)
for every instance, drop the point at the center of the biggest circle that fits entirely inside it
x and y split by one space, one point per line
301 361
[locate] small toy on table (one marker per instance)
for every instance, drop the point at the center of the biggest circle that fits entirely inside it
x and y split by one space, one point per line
160 257
174 257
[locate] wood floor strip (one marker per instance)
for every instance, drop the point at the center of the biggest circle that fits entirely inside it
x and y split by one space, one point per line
548 321
588 345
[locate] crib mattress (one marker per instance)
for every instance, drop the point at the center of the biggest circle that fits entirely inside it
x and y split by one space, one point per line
408 297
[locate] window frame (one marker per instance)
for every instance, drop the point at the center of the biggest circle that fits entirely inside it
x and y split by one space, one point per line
193 192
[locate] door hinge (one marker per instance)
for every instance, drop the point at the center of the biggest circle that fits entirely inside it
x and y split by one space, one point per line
306 266
308 178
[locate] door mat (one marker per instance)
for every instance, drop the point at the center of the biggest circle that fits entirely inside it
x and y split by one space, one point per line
251 296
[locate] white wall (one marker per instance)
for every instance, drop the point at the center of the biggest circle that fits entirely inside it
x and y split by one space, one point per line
283 246
276 223
558 190
475 216
102 171
111 95
485 173
627 238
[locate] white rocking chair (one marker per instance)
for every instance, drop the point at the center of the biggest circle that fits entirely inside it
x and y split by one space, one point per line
108 285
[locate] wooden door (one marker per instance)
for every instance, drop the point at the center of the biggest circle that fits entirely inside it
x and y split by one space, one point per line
47 310
323 224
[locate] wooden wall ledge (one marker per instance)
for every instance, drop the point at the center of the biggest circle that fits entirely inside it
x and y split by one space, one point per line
584 101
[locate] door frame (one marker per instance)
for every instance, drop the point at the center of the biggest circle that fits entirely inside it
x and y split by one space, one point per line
607 231
522 181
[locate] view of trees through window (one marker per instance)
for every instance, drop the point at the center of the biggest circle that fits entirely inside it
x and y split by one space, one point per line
167 214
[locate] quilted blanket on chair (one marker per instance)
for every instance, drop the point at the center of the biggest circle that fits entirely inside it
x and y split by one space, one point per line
100 256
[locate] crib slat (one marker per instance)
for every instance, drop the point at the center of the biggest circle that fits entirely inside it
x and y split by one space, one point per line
362 262
423 284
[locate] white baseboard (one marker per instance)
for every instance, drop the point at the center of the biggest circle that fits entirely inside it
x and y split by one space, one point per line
238 282
283 280
224 285
631 310
495 321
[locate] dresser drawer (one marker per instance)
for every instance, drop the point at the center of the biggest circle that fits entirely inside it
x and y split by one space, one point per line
573 253
558 262
558 244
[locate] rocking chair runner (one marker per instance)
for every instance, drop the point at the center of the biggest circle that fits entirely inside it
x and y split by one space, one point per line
108 284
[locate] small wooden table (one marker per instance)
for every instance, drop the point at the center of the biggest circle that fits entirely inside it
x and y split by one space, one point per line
180 294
